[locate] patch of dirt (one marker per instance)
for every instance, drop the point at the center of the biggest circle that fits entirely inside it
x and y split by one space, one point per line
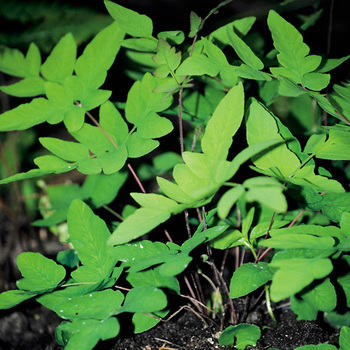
31 327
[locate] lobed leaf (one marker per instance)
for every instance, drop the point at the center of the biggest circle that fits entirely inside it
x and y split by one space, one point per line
223 125
243 51
27 115
261 125
198 64
303 309
142 106
195 23
104 154
40 274
241 26
13 62
98 56
144 299
112 122
27 87
293 55
89 234
167 58
85 334
130 21
59 65
336 147
67 150
138 146
11 298
240 335
295 274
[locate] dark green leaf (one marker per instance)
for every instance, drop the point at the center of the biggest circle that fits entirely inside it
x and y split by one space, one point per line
12 298
40 274
248 278
244 334
323 296
144 299
85 334
195 22
89 234
303 309
98 305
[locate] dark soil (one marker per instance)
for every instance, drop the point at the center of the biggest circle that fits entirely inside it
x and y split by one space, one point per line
32 327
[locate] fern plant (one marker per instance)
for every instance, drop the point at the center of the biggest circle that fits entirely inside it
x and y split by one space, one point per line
292 217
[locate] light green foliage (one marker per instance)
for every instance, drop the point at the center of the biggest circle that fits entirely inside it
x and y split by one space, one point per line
167 58
13 62
130 21
297 65
61 87
241 335
261 125
337 145
89 234
197 179
40 274
301 272
242 26
244 52
97 57
142 106
60 63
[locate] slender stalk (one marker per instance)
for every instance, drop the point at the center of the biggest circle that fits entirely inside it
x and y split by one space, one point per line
136 178
195 301
224 292
182 149
297 218
268 304
259 256
113 212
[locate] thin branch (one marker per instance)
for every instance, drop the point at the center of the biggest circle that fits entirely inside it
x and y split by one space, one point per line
136 178
259 257
182 148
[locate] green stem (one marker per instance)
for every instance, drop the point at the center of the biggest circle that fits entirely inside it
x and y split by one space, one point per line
113 212
268 304
302 164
